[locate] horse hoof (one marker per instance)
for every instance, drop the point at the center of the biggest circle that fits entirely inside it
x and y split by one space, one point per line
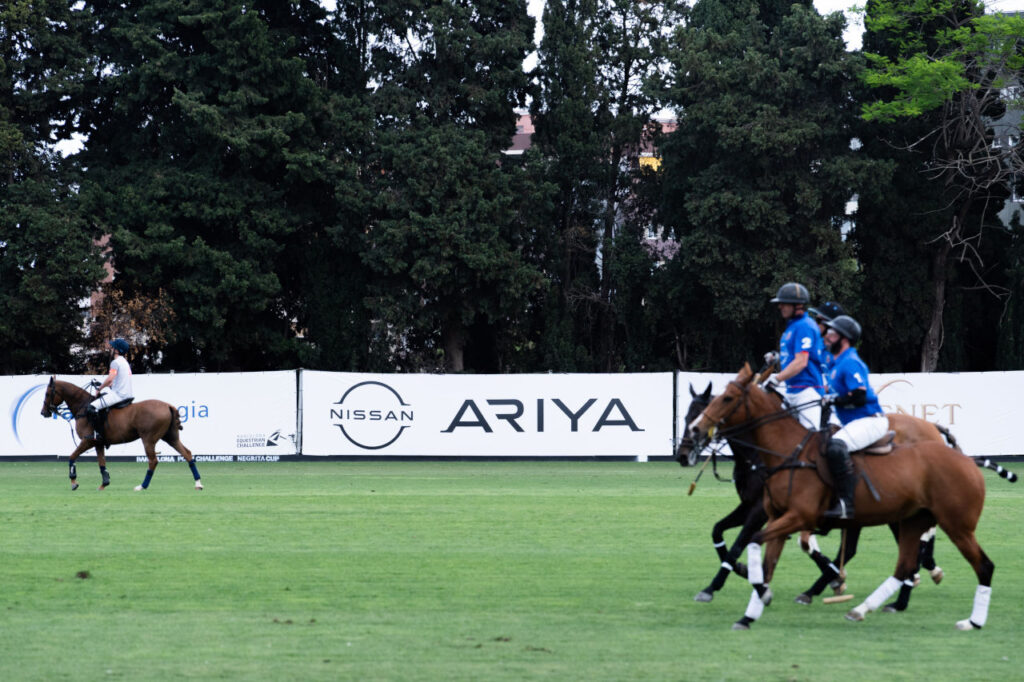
917 579
74 485
767 597
838 587
704 596
854 615
937 575
199 486
138 488
740 626
803 598
891 608
965 625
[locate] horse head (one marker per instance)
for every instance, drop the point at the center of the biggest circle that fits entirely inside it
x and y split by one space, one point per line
52 399
721 411
697 404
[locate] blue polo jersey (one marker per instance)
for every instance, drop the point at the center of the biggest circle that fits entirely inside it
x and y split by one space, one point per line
848 374
802 336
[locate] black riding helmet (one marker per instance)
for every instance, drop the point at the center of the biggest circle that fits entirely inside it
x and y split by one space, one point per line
792 292
846 326
829 310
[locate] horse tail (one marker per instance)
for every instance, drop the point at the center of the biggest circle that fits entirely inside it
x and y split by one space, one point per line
948 436
175 418
1003 473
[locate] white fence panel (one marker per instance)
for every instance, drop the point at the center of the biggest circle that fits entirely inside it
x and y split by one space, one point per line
242 414
487 415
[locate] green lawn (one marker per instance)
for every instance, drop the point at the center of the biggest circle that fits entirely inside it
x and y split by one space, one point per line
450 571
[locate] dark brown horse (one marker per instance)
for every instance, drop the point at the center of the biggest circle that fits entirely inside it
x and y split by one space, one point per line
917 486
148 420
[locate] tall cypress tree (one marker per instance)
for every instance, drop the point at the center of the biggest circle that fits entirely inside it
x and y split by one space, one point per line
444 244
758 173
48 260
205 160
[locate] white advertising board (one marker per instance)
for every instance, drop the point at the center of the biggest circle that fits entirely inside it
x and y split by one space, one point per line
252 414
979 408
486 415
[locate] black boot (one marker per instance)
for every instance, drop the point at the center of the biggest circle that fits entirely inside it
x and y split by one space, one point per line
93 415
844 480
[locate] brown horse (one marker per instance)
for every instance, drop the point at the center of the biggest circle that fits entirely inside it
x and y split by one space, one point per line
148 420
917 486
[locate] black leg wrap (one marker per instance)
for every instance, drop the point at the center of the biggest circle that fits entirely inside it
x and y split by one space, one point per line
72 470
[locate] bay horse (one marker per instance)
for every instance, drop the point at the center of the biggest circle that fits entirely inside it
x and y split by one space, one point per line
750 515
916 486
148 420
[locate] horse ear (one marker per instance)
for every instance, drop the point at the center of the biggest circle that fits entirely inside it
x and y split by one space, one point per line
52 379
693 393
707 392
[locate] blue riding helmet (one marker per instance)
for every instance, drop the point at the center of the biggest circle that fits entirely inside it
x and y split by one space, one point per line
120 345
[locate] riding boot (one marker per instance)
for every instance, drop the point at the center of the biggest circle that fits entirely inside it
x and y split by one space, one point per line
844 480
93 415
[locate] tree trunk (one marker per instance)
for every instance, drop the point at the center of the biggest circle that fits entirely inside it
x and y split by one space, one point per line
933 338
454 339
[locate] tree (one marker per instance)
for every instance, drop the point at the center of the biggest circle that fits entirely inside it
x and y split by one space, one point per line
444 243
48 260
758 173
593 114
946 63
206 164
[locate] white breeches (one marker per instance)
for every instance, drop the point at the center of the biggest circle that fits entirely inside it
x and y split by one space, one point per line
810 414
860 433
107 399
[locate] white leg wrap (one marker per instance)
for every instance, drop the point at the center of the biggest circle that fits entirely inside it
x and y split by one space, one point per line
755 607
755 574
979 614
812 544
884 591
928 535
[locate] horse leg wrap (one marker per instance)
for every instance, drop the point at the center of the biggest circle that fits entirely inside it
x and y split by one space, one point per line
755 607
884 591
979 614
72 470
195 471
147 479
755 573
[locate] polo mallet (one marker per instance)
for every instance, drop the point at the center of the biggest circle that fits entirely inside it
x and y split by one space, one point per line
839 598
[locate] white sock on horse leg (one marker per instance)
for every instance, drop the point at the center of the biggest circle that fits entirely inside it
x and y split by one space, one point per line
884 591
755 574
755 607
812 545
979 614
928 535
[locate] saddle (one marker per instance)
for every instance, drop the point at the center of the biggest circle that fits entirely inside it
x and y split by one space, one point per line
99 419
882 446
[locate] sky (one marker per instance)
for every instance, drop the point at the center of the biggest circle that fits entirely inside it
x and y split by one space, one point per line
854 25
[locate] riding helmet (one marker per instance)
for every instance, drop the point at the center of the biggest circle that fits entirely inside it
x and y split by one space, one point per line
120 345
792 292
827 311
846 326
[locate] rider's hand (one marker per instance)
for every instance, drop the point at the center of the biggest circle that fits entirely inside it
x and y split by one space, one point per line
828 399
772 382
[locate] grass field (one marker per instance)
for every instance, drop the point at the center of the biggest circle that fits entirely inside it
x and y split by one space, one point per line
451 571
